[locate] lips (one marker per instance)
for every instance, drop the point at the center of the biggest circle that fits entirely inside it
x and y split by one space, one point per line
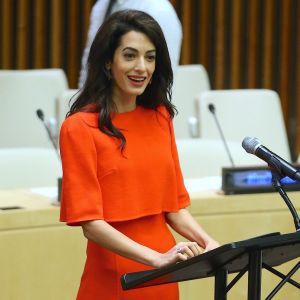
137 79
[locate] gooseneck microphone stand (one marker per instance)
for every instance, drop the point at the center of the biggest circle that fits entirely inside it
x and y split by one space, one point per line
277 175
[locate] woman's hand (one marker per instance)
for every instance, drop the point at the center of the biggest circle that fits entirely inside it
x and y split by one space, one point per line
212 244
184 223
180 252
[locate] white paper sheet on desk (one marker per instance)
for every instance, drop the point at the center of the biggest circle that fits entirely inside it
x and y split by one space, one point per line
203 184
49 192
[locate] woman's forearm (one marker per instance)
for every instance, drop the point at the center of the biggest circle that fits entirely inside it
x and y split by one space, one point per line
108 237
184 223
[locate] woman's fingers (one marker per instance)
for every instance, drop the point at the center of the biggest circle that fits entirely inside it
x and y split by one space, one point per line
197 250
181 252
182 256
188 250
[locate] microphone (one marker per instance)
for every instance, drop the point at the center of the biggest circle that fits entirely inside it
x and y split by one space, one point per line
212 109
253 146
41 116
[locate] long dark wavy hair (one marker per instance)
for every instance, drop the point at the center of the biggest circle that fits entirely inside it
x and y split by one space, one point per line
97 89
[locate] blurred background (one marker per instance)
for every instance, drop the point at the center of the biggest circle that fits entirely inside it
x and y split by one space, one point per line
241 43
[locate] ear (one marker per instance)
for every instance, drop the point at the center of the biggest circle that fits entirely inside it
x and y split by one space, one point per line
107 70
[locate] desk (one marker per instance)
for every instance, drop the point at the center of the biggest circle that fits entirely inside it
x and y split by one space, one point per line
43 259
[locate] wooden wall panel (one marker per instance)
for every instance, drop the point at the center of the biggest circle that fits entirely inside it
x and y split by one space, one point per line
268 44
236 45
204 33
56 35
73 38
252 41
22 34
294 105
242 43
6 34
219 51
285 59
44 34
39 34
187 32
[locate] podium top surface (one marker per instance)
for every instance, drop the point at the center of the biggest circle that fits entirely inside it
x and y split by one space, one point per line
234 257
25 209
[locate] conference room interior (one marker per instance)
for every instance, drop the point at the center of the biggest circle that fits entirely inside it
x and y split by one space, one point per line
239 77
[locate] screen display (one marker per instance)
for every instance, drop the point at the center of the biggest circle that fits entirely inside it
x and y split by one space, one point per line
256 178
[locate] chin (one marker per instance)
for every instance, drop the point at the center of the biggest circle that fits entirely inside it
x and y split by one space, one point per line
137 92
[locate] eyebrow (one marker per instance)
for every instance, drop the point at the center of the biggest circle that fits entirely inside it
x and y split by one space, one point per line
135 50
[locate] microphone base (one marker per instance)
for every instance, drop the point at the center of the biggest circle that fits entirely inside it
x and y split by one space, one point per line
253 179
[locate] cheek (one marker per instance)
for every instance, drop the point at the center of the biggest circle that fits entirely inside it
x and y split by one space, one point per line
118 73
119 80
151 69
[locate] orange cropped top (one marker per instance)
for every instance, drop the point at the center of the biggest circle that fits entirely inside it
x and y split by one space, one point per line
100 182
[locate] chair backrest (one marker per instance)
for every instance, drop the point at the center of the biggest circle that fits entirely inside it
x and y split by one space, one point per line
249 112
206 157
22 92
63 104
190 81
28 167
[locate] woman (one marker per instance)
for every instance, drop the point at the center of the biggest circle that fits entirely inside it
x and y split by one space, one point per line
121 177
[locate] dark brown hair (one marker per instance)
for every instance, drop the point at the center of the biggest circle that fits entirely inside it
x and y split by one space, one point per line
97 89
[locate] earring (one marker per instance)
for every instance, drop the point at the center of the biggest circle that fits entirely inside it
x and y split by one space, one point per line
107 71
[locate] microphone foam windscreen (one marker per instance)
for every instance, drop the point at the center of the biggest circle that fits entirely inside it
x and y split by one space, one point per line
40 114
250 144
211 107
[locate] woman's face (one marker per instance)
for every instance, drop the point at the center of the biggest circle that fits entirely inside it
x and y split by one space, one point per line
132 66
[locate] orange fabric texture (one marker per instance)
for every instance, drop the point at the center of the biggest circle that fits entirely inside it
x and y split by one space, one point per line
101 183
132 192
103 269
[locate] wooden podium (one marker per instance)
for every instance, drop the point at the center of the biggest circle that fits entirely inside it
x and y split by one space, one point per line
239 257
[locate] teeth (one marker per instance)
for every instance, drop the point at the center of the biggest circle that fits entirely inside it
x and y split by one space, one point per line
137 79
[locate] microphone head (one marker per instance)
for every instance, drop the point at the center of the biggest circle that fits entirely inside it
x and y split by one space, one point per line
40 114
211 108
250 144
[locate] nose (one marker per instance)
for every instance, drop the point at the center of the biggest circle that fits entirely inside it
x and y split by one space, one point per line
140 64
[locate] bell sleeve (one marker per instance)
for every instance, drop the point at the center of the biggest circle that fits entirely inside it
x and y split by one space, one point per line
81 198
183 196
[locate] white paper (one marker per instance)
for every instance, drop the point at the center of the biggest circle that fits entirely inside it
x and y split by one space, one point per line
203 184
49 192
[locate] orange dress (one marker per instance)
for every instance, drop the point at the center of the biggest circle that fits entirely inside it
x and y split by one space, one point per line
131 191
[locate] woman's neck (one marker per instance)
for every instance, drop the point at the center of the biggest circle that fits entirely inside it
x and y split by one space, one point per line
125 105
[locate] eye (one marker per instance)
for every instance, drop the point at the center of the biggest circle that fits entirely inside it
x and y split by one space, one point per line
129 56
150 57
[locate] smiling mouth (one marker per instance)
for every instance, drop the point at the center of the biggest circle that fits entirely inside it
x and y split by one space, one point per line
137 79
